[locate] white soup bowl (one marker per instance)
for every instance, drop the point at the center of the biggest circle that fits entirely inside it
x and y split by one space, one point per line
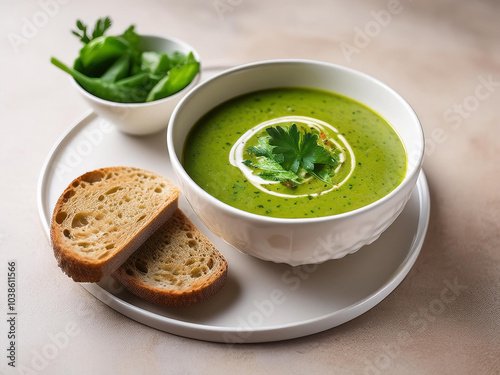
304 240
150 117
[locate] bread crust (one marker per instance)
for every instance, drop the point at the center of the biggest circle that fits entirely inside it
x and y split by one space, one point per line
198 292
84 270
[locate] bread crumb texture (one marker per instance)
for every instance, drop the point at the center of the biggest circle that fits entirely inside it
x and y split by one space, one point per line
177 257
102 210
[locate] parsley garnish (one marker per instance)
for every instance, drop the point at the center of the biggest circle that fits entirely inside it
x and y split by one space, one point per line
289 155
101 25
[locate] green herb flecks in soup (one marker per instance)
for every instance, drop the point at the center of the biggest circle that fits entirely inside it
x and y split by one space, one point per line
294 153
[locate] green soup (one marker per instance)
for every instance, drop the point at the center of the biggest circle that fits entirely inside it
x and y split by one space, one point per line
294 153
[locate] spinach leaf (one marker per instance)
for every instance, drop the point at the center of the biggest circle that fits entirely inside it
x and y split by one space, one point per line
154 62
175 80
102 24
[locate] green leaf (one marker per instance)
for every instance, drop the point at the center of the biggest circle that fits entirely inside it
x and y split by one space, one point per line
100 53
176 79
155 62
142 80
103 89
101 25
296 152
323 173
131 37
286 144
83 32
177 58
118 70
263 149
312 153
273 171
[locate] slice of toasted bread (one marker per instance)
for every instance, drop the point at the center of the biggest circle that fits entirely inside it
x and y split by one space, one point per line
177 266
105 215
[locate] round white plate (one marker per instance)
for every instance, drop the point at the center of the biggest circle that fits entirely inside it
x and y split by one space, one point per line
261 301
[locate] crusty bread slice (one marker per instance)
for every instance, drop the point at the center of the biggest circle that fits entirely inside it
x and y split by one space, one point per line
177 266
105 215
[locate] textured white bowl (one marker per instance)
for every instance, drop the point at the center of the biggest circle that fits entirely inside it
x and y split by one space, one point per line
144 118
308 240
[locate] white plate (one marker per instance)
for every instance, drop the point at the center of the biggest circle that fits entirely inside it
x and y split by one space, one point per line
261 301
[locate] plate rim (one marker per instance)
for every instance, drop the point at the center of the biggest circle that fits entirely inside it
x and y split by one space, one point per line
264 333
273 333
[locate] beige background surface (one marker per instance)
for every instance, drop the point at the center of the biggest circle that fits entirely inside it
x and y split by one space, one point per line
437 54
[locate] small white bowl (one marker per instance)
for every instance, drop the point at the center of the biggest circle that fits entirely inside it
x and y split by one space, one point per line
308 240
144 118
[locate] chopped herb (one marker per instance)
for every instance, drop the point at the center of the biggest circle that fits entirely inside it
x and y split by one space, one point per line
115 68
100 27
288 154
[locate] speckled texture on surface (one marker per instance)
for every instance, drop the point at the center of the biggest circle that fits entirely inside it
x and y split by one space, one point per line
442 56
